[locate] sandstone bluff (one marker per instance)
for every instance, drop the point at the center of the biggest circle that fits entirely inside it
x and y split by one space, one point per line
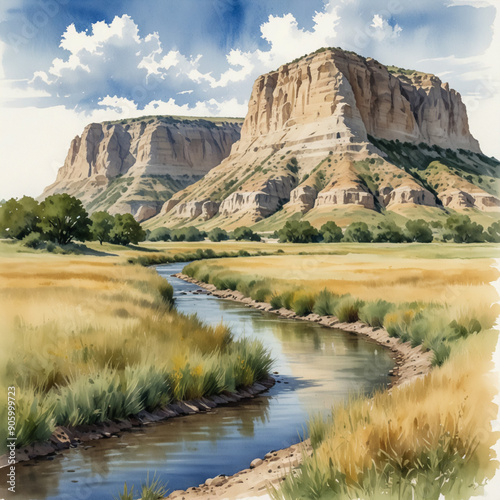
136 165
332 135
335 131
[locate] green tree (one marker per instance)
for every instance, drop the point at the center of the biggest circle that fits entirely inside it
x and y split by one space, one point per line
245 233
218 234
389 232
295 231
63 219
358 232
160 234
102 224
189 233
493 233
419 231
126 230
462 230
18 218
330 232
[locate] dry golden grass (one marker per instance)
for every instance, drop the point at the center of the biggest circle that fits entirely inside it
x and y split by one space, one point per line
424 438
371 276
89 338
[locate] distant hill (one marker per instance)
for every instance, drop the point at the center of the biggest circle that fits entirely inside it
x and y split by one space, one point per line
135 165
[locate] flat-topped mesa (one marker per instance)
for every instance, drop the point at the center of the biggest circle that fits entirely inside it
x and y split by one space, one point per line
150 158
362 94
318 135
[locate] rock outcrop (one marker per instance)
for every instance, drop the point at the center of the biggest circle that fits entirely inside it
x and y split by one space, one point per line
407 194
303 197
359 96
149 159
347 195
458 199
262 202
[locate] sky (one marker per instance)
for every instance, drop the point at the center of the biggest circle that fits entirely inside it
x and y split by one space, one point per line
67 63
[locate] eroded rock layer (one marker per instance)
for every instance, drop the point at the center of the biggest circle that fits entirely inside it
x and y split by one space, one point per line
135 165
311 141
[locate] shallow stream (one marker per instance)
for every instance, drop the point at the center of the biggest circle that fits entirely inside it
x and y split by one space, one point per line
316 367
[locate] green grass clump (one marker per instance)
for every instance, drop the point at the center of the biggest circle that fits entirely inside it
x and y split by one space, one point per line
284 299
303 304
261 294
317 427
347 310
373 313
152 489
225 283
127 494
325 303
35 418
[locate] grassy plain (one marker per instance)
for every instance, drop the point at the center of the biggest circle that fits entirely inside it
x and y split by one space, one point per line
429 437
86 338
397 273
77 328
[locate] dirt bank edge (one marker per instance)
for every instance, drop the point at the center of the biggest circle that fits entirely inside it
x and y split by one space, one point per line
411 362
71 437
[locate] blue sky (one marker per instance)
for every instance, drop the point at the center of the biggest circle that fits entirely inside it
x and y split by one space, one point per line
67 63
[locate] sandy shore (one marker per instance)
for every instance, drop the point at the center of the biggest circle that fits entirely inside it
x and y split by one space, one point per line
269 470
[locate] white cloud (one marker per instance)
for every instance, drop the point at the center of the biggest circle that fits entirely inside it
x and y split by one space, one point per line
113 56
128 108
383 30
286 40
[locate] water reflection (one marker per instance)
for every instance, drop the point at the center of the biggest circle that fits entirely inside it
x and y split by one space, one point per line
317 367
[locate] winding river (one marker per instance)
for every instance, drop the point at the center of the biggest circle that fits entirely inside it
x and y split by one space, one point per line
316 367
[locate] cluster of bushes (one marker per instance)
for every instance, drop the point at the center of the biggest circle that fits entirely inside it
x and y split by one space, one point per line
433 326
61 219
457 228
386 231
198 254
192 233
189 233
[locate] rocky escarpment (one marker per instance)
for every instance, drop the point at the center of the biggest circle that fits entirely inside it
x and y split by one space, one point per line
311 134
263 202
135 165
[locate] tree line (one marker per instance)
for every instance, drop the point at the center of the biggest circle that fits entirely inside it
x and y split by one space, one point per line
62 219
457 228
192 233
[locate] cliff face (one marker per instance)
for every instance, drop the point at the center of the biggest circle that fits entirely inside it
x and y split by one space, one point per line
312 137
134 166
363 95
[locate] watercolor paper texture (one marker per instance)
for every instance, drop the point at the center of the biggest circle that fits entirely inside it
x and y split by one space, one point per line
249 249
